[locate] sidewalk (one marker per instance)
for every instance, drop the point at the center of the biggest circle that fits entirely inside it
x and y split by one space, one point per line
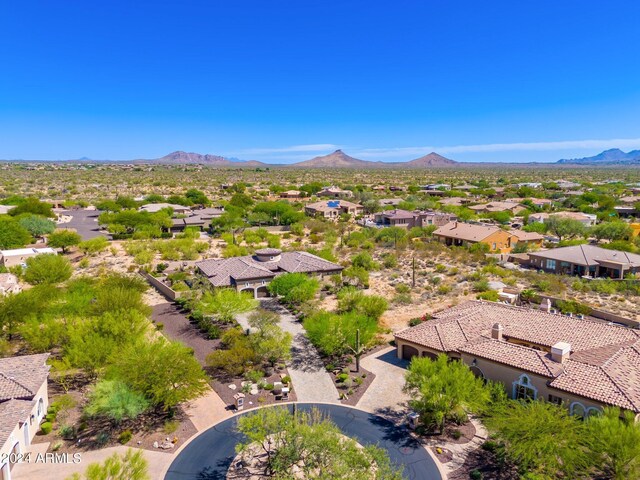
311 381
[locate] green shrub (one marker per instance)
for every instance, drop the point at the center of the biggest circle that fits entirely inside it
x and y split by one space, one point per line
254 376
415 321
476 475
170 426
491 296
125 436
286 379
46 428
67 432
102 438
50 417
341 377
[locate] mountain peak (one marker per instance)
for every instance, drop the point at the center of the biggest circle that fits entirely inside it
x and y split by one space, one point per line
432 159
611 156
337 159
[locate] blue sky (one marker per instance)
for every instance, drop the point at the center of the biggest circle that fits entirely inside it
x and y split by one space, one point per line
283 81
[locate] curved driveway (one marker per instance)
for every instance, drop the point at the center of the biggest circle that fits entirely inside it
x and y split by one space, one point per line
208 456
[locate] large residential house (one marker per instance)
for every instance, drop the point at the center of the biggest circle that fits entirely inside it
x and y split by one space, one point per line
23 404
335 192
200 218
587 219
156 207
332 208
406 219
494 207
254 273
466 234
586 260
19 256
291 194
580 363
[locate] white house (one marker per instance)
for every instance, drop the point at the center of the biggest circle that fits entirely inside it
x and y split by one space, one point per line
19 256
23 404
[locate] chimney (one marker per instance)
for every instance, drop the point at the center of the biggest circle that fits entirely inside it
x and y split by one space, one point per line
545 305
560 352
455 225
496 331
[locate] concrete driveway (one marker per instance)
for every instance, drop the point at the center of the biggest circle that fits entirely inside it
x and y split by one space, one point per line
385 392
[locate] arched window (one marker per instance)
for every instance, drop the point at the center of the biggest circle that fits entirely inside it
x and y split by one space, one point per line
523 390
40 408
593 411
577 409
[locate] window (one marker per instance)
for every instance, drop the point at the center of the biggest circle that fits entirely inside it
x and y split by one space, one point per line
246 284
494 246
554 399
523 390
551 264
577 409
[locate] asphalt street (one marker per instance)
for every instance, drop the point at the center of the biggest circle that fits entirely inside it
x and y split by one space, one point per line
209 455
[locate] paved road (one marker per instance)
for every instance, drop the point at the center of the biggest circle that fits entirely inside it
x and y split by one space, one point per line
311 380
209 455
85 222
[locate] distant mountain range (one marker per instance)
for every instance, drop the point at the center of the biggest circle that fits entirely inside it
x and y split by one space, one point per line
184 158
614 156
339 159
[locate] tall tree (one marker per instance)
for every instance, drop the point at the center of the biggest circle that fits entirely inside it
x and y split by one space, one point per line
542 438
441 390
614 439
565 227
12 234
64 239
165 372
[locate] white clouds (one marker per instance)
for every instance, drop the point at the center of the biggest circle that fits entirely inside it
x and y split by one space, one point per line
503 147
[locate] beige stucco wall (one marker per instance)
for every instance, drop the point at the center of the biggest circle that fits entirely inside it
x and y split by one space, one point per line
507 376
23 432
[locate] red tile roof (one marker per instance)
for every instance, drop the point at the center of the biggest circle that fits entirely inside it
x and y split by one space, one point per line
604 363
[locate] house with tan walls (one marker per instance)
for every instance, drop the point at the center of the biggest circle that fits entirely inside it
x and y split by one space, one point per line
23 405
581 363
252 273
466 234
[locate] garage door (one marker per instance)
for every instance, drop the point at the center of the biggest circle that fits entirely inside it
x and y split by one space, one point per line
408 352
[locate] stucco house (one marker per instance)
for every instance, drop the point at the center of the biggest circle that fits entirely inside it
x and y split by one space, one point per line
332 208
335 192
156 207
531 239
406 219
465 234
586 260
19 256
587 219
23 404
292 194
494 207
581 363
254 273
